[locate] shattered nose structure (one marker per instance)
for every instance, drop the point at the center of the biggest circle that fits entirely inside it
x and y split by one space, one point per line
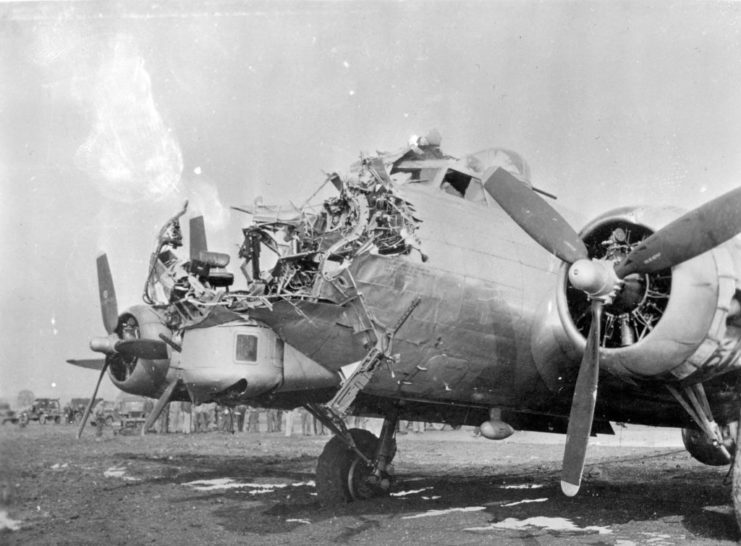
368 216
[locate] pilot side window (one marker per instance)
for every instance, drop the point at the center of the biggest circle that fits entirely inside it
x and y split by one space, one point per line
246 348
463 185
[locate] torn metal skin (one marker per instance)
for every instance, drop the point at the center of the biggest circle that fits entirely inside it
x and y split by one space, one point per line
312 254
312 248
178 289
336 279
298 263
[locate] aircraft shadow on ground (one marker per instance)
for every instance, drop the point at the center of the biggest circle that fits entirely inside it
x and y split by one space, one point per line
267 494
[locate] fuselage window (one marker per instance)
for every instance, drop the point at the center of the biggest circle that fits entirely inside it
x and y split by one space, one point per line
463 185
246 348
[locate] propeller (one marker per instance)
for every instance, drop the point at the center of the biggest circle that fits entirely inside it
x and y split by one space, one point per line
107 293
162 401
113 346
690 235
109 309
198 242
147 349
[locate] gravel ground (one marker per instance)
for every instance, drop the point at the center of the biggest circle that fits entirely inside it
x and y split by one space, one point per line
640 487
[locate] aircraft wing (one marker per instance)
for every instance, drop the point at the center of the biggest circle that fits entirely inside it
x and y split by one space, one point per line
90 363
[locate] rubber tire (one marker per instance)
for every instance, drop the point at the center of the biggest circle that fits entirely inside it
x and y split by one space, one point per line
333 470
42 419
704 452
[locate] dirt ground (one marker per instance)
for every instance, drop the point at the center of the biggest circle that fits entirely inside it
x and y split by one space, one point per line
453 488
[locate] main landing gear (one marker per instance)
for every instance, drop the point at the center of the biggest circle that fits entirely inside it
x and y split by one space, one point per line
736 476
709 443
355 465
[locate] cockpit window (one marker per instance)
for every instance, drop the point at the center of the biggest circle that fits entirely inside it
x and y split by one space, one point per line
246 348
463 185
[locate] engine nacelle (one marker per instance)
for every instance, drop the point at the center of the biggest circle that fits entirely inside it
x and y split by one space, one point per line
241 360
667 325
136 375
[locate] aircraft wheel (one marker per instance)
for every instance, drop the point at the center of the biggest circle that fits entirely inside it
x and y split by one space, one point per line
341 474
701 449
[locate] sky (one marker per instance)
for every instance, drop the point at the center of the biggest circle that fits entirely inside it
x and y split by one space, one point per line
113 114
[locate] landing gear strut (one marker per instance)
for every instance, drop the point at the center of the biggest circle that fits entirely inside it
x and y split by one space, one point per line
355 465
736 473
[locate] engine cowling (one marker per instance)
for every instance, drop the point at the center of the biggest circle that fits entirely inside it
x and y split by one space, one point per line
668 325
137 375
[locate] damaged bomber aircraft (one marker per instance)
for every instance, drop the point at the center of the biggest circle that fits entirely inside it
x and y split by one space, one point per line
452 290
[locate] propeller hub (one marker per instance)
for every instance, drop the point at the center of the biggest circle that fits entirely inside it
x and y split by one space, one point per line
596 278
105 345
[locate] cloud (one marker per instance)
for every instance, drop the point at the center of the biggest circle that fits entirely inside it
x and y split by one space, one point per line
203 198
129 153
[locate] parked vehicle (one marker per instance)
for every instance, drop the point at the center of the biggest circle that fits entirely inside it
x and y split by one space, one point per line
7 415
77 408
42 410
109 412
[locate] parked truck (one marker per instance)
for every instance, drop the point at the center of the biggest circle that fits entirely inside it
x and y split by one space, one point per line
43 410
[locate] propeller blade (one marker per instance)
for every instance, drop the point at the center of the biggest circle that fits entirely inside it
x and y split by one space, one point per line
582 408
89 363
162 401
198 241
541 221
92 400
108 303
148 349
688 236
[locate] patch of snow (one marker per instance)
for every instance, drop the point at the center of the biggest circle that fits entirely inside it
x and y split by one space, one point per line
525 501
725 509
298 521
228 483
432 513
7 523
659 539
550 524
265 485
410 492
433 497
119 472
523 486
215 484
115 472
